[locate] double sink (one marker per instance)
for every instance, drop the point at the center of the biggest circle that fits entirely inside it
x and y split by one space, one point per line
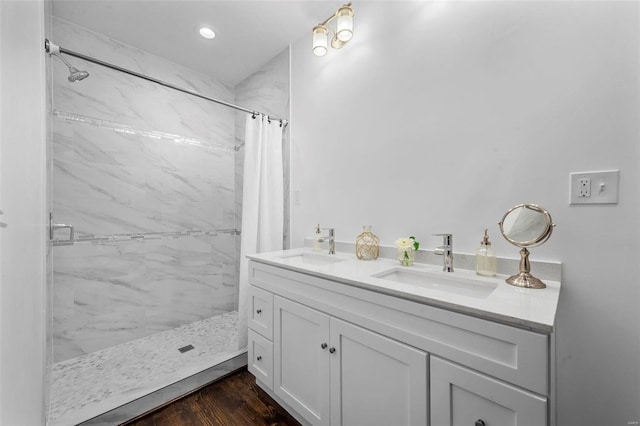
454 283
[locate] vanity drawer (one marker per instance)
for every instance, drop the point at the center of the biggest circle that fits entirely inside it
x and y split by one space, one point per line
460 396
260 358
261 312
511 354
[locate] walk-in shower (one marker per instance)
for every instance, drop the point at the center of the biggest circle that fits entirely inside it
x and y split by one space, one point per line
146 172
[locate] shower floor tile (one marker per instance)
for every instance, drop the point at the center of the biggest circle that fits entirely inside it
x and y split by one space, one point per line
92 384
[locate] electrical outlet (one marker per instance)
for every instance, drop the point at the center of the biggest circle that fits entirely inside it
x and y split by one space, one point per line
584 187
594 187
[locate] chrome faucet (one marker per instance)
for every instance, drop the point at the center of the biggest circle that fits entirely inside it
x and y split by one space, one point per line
446 251
331 238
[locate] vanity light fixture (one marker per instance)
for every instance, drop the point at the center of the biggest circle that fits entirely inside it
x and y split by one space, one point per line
343 31
207 33
320 33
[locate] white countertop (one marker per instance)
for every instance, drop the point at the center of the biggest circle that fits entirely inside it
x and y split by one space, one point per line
533 309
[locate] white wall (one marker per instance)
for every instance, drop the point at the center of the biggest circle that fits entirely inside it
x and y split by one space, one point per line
439 116
22 200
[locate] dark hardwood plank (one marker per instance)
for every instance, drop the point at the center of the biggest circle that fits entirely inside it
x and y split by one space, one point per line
232 400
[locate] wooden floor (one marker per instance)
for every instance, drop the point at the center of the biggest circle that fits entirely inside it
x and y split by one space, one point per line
233 400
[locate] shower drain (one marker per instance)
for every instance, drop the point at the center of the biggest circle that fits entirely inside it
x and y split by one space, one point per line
185 348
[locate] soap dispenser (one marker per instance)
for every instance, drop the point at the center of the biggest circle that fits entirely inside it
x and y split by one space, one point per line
317 243
486 262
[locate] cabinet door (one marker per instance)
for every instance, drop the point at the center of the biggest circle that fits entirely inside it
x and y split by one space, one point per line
462 397
375 380
301 359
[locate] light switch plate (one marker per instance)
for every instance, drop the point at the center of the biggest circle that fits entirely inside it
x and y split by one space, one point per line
603 187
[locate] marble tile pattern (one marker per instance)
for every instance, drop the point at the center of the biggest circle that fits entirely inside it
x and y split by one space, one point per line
109 182
92 384
267 90
115 96
105 182
110 293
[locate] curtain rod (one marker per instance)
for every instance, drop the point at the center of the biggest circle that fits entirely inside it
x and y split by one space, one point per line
47 44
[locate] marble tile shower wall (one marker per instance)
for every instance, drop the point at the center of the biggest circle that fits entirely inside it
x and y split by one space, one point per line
122 178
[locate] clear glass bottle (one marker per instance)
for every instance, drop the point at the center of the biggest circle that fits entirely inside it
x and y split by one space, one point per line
486 262
367 245
317 245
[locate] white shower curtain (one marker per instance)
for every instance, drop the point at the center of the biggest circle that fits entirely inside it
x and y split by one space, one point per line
262 202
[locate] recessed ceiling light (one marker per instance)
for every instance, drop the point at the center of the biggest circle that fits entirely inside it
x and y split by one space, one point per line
207 32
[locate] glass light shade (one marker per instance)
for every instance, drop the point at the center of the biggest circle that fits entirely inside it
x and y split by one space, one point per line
344 23
207 33
320 40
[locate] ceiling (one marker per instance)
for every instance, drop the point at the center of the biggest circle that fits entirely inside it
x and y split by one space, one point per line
248 33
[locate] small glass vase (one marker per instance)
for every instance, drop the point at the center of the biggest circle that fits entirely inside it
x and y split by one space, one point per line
406 256
367 245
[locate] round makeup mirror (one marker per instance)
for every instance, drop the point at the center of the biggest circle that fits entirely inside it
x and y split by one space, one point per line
526 225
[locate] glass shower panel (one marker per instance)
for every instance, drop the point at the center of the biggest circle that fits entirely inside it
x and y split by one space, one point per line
152 268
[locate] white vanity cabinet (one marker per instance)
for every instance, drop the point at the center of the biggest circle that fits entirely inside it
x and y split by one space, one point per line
333 372
337 354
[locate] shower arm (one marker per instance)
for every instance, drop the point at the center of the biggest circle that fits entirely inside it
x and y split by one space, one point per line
54 49
59 55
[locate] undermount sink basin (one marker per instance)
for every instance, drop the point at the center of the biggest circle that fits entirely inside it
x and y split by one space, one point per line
440 281
313 259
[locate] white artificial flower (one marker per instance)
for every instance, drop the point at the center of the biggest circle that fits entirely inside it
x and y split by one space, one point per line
405 243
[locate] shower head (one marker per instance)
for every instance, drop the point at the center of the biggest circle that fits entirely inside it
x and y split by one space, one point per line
74 73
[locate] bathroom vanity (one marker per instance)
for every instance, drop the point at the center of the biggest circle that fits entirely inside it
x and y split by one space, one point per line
340 341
